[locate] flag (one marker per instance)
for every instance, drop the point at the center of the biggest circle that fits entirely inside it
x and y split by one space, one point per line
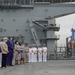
73 34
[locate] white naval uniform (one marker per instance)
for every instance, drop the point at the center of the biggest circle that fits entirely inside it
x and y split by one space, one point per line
44 54
30 55
34 55
40 54
0 54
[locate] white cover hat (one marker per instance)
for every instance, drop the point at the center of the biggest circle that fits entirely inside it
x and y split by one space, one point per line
5 38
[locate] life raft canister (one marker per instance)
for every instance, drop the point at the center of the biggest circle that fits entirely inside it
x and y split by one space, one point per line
71 43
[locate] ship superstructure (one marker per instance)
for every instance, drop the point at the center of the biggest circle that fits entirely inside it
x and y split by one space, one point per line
33 21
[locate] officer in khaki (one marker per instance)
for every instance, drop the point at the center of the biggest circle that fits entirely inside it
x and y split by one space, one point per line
4 52
26 53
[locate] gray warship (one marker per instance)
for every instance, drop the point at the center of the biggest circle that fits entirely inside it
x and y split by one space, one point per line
33 21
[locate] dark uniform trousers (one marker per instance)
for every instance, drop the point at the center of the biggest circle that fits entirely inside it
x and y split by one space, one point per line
4 56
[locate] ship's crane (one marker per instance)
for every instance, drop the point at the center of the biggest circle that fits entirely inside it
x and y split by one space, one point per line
34 33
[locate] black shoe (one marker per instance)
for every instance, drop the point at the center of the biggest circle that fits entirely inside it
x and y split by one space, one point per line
11 65
1 67
7 65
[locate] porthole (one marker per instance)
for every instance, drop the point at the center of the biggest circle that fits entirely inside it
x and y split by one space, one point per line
1 20
16 30
25 30
4 30
13 20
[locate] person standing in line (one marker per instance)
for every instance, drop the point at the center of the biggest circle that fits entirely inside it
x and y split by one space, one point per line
30 53
22 53
44 53
16 53
40 49
34 49
10 44
1 51
4 52
26 52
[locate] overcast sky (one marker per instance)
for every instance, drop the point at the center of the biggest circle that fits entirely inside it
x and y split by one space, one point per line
66 23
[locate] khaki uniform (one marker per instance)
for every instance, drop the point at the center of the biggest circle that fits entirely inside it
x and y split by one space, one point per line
4 54
4 48
16 55
26 54
0 53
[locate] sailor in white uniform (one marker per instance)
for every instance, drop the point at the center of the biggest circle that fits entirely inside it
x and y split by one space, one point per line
34 50
44 53
40 49
30 54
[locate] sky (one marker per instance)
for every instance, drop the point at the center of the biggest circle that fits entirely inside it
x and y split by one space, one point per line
66 24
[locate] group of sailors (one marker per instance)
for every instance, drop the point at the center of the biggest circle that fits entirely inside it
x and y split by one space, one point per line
38 54
20 53
29 53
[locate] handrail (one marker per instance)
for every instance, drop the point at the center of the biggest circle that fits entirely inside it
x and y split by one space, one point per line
29 2
55 36
54 25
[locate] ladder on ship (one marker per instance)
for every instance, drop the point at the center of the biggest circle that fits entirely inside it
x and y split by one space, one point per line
34 34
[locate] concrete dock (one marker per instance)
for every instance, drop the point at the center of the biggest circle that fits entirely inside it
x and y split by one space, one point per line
52 67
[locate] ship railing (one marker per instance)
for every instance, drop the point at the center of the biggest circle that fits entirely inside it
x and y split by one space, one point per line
16 2
54 25
55 36
61 49
53 1
31 2
9 4
60 52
